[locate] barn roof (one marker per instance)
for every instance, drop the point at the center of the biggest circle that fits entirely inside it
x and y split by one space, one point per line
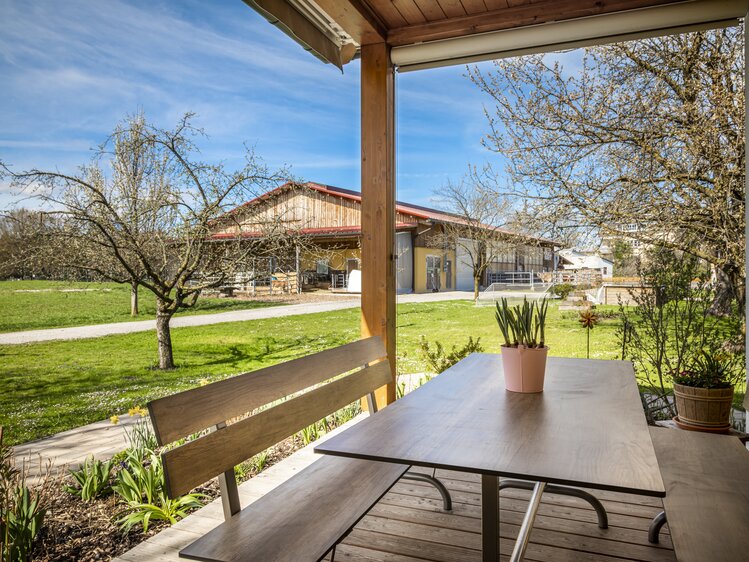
416 211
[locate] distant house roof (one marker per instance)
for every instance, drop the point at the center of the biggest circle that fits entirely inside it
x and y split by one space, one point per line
416 211
582 260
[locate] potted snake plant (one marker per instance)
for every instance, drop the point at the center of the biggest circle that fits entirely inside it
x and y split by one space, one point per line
524 349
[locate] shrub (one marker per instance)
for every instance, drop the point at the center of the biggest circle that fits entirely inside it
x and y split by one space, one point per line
400 390
562 290
92 479
607 313
142 439
139 480
140 485
22 510
670 326
711 371
165 509
438 361
21 520
345 414
309 434
260 461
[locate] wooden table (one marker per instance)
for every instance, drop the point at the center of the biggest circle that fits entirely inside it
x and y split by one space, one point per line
586 429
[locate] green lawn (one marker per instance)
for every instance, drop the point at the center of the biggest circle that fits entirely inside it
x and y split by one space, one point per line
33 305
50 387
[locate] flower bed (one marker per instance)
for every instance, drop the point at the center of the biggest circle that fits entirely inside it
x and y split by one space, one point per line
104 509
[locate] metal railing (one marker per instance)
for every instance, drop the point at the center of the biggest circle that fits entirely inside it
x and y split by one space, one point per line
519 278
338 280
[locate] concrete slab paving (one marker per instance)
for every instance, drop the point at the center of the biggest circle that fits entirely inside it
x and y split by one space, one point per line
69 449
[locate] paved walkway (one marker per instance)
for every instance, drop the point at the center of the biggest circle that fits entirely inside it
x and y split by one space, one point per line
83 332
70 448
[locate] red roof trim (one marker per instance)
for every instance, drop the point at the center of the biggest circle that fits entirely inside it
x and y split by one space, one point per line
307 231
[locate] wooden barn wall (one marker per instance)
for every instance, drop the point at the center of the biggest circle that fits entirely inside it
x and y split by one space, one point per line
305 209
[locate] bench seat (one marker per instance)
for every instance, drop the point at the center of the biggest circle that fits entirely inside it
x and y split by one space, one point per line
222 424
707 494
303 518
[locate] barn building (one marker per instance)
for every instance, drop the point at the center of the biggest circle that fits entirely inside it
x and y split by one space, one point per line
329 219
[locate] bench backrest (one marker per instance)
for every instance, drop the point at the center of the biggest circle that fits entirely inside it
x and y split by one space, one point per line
225 446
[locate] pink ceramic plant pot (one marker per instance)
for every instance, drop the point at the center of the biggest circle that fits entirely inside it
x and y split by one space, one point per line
524 368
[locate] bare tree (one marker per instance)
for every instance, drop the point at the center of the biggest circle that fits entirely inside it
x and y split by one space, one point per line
21 229
143 212
478 229
647 133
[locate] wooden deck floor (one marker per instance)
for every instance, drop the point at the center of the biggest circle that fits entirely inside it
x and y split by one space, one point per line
409 524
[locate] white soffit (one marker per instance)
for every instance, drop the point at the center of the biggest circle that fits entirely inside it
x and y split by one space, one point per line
308 25
582 32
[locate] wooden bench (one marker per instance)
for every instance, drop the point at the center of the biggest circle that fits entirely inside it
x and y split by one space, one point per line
707 495
306 516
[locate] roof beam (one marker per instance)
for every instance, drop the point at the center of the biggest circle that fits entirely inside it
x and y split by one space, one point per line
512 17
626 25
356 19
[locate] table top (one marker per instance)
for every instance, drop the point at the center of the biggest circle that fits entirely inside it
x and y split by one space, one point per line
586 428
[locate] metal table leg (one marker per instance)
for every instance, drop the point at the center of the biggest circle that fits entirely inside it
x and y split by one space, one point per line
489 518
603 520
524 534
420 476
655 527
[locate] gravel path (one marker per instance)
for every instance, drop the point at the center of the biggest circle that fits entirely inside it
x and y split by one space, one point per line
337 303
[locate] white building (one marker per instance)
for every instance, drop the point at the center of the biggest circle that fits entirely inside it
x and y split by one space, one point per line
575 260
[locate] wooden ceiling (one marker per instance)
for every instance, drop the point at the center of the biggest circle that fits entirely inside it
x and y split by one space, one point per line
407 22
429 33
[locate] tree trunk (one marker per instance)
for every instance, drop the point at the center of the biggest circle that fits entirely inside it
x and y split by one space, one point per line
133 299
724 294
476 284
164 336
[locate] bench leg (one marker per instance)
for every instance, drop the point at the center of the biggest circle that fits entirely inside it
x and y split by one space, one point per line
603 519
447 501
655 527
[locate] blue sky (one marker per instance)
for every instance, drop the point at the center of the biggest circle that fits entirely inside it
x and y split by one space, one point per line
71 70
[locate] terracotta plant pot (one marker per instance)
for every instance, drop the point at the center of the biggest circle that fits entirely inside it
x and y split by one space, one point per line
524 368
703 408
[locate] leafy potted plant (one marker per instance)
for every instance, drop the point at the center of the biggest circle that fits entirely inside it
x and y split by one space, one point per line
704 393
524 351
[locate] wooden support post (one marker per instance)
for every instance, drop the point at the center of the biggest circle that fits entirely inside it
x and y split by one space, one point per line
378 202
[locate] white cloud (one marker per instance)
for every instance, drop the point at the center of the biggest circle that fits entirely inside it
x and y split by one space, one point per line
62 145
69 74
